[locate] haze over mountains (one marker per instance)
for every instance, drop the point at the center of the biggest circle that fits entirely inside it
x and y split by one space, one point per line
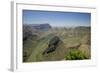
47 26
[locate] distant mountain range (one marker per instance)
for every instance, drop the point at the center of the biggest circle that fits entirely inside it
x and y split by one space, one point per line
44 26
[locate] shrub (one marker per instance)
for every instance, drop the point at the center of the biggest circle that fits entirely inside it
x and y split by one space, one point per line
76 55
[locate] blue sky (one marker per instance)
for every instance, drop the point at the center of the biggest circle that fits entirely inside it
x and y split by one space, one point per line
55 18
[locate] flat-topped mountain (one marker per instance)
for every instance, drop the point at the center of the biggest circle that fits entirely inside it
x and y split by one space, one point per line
44 26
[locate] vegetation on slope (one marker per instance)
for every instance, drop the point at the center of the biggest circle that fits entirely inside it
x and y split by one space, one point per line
73 44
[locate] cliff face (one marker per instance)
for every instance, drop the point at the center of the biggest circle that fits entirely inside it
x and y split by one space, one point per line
34 30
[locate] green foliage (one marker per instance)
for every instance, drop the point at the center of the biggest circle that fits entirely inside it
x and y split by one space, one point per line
76 55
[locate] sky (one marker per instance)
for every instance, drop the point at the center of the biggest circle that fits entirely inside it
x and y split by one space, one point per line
56 19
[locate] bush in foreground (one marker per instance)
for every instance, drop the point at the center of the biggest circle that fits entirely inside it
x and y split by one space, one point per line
76 55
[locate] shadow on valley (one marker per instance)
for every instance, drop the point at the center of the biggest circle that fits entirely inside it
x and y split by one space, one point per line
52 46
